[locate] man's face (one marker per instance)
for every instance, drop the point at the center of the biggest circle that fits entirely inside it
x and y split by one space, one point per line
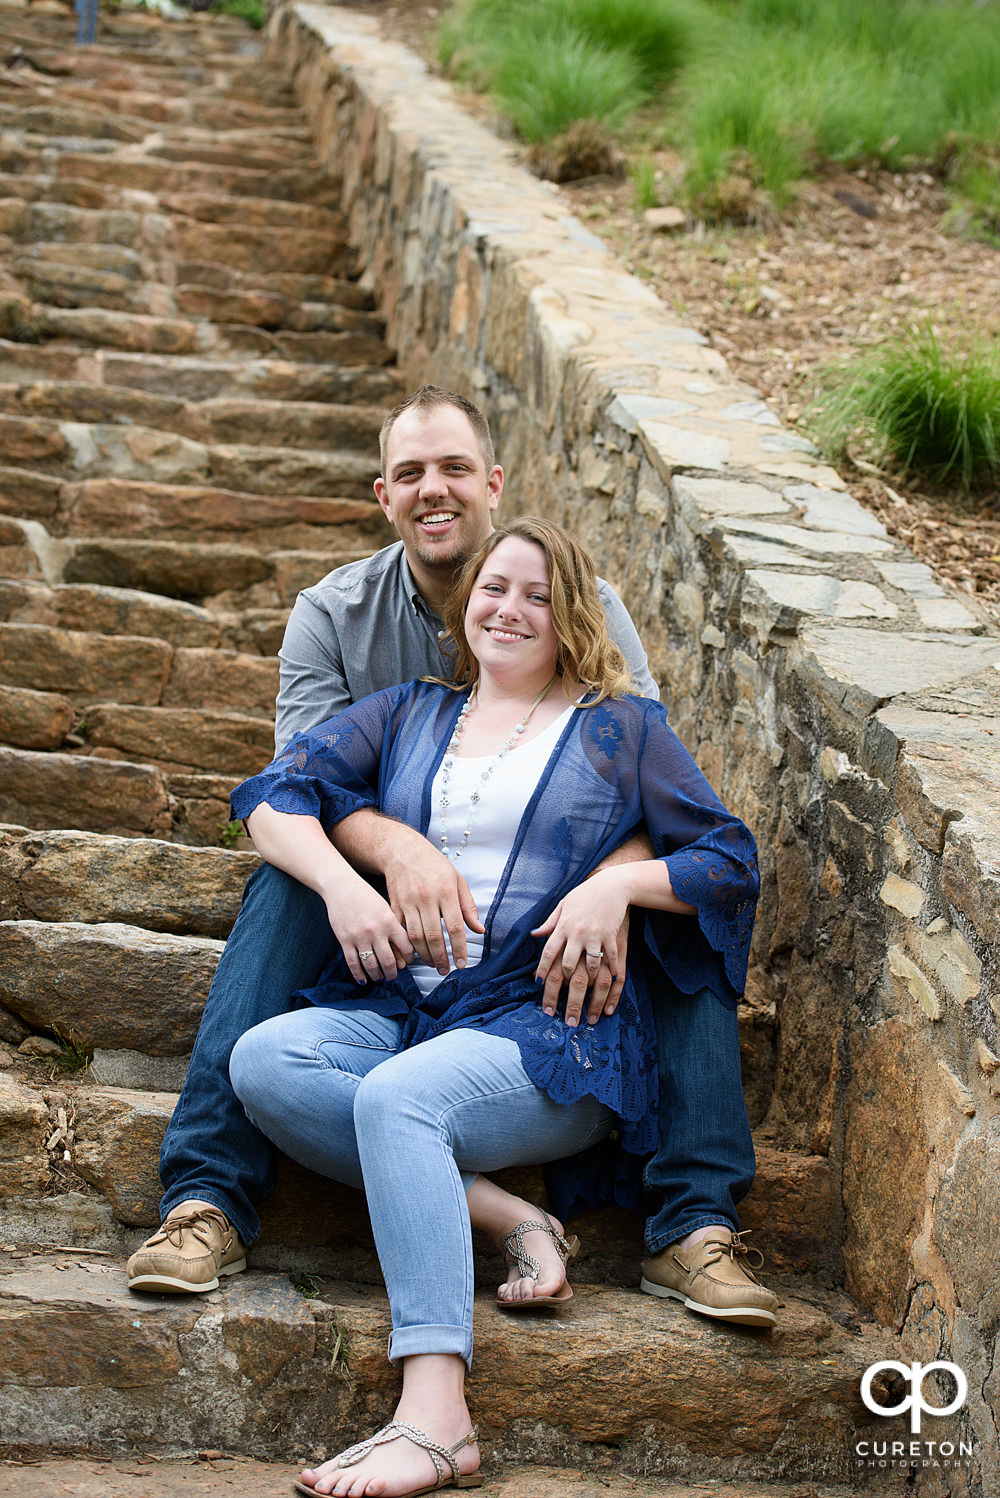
437 491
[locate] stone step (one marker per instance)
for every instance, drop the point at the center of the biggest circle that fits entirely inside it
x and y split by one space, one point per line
128 508
34 720
39 188
25 217
127 280
263 1368
73 121
53 790
83 449
125 611
297 424
85 666
301 183
229 744
171 229
131 1001
263 379
168 104
106 791
112 611
198 379
94 668
227 574
143 333
72 876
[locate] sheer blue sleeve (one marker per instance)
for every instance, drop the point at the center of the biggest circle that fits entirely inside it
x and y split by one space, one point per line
711 858
331 771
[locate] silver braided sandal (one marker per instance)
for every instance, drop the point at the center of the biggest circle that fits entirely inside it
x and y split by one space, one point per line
439 1455
513 1248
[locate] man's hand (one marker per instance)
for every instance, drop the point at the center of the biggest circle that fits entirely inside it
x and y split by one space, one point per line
596 974
605 989
586 948
426 893
424 889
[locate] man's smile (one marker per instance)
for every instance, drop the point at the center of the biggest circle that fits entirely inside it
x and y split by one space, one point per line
437 518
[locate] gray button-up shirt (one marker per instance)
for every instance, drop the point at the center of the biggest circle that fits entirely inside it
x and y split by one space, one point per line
364 627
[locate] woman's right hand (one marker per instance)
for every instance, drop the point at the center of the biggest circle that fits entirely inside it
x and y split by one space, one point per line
372 940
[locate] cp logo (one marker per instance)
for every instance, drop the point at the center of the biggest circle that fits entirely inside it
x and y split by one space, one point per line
914 1374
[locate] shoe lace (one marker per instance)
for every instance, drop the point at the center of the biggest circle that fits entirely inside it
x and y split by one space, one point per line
172 1231
740 1253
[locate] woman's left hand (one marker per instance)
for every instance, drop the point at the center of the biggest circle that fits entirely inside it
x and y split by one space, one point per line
586 924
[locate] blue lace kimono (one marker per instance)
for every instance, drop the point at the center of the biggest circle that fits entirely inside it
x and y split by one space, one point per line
616 767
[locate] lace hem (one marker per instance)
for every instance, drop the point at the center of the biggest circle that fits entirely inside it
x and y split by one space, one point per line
303 796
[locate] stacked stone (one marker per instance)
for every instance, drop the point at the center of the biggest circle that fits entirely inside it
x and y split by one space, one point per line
191 384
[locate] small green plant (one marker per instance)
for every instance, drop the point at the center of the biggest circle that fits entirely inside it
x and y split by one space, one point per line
926 410
20 321
336 1349
252 11
73 1056
230 833
552 63
975 210
644 182
308 1285
545 89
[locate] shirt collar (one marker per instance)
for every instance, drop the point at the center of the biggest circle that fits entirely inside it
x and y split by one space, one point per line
411 589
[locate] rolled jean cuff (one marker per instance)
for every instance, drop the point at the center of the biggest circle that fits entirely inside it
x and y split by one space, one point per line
675 1234
410 1341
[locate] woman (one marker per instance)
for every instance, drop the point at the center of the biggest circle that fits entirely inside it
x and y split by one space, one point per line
527 770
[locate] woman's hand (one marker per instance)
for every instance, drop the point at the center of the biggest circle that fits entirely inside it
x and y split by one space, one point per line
372 940
359 917
586 947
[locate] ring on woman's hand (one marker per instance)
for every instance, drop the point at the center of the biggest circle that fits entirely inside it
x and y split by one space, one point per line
595 955
364 956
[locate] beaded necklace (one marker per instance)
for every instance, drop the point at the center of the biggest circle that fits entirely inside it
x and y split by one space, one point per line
449 760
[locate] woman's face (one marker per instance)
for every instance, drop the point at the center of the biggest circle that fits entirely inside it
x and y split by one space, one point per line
508 619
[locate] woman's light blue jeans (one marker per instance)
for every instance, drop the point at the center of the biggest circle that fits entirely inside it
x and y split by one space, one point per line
413 1130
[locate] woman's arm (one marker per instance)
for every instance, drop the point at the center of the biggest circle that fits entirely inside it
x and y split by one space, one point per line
359 917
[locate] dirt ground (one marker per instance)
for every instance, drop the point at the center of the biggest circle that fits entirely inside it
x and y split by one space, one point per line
213 1475
859 256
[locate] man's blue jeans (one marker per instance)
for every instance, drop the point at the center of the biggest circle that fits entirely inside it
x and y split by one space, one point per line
704 1164
282 941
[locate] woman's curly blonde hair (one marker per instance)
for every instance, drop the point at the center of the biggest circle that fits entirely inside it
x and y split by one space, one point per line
586 653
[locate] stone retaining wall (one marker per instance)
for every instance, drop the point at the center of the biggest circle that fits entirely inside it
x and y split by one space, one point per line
834 692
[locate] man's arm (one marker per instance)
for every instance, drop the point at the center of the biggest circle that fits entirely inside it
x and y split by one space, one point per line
313 681
625 635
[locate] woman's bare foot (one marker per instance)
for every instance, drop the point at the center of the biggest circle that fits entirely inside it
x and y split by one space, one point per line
432 1401
497 1212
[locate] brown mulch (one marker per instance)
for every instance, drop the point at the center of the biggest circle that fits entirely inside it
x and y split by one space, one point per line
858 257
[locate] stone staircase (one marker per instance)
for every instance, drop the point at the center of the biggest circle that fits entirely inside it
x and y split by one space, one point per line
191 385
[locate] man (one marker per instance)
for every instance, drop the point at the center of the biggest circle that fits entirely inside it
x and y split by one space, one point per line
369 625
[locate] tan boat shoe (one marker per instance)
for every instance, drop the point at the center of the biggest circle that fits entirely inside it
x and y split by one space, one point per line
187 1254
714 1278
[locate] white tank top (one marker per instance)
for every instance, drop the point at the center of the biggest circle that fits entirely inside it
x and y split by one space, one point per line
504 798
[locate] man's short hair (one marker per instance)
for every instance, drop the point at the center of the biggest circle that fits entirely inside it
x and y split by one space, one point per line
428 398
